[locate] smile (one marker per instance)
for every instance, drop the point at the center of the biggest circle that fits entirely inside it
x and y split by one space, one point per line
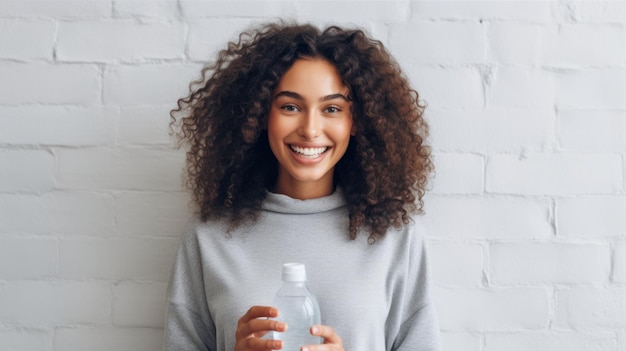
308 152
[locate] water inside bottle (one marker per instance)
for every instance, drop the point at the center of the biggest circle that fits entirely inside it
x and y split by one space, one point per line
299 314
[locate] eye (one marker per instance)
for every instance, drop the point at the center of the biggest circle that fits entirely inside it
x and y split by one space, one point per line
289 108
332 109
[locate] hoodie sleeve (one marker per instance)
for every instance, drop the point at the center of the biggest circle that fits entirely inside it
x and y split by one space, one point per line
188 323
418 327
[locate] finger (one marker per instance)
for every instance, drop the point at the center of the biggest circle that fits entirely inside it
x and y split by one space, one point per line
259 327
256 327
258 312
258 344
326 332
323 347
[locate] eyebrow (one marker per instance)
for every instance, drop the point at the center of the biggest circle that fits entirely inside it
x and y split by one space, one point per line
297 96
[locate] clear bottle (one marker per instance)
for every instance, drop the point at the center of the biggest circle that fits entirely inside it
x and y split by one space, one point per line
298 308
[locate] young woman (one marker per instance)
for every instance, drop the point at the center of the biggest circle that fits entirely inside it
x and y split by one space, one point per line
303 146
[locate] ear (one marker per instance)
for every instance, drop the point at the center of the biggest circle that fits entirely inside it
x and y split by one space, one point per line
353 129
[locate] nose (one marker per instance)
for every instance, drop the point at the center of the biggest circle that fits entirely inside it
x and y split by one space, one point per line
310 126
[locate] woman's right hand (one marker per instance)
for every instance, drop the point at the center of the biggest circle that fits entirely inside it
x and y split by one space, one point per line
253 325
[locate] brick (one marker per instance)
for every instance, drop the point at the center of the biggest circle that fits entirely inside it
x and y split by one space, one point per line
455 88
149 84
536 11
460 342
31 125
448 43
34 258
242 8
80 213
548 263
492 130
117 259
448 179
16 214
596 11
591 216
486 218
145 125
592 88
162 9
518 43
624 172
344 11
26 170
581 44
207 37
522 87
619 263
56 9
70 213
152 214
465 270
139 304
604 133
554 174
46 303
41 83
551 341
108 338
26 340
481 310
119 168
25 40
591 308
125 41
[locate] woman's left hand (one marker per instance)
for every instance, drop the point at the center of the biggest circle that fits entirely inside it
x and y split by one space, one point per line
332 341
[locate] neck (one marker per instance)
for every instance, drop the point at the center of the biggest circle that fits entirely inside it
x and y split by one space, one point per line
304 190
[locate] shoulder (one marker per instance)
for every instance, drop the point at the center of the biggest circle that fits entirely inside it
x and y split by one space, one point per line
195 231
195 227
409 235
405 247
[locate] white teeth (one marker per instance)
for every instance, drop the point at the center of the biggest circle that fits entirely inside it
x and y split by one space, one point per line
309 151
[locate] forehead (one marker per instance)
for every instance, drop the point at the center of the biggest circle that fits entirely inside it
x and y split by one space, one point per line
313 75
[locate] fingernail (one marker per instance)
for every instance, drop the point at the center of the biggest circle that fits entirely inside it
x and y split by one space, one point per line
315 330
305 349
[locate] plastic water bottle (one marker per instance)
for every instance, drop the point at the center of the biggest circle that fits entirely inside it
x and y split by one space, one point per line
298 308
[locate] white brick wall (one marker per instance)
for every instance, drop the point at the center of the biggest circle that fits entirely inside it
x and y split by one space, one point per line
591 308
619 264
106 41
39 33
541 341
526 219
40 83
493 310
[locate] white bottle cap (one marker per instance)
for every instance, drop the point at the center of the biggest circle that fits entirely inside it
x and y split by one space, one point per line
294 272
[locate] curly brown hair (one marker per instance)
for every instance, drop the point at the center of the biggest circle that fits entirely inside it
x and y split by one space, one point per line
230 166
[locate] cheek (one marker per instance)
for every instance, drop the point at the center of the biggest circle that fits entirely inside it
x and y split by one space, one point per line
275 132
343 131
274 129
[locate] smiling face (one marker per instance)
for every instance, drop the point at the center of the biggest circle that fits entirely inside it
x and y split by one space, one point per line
309 128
